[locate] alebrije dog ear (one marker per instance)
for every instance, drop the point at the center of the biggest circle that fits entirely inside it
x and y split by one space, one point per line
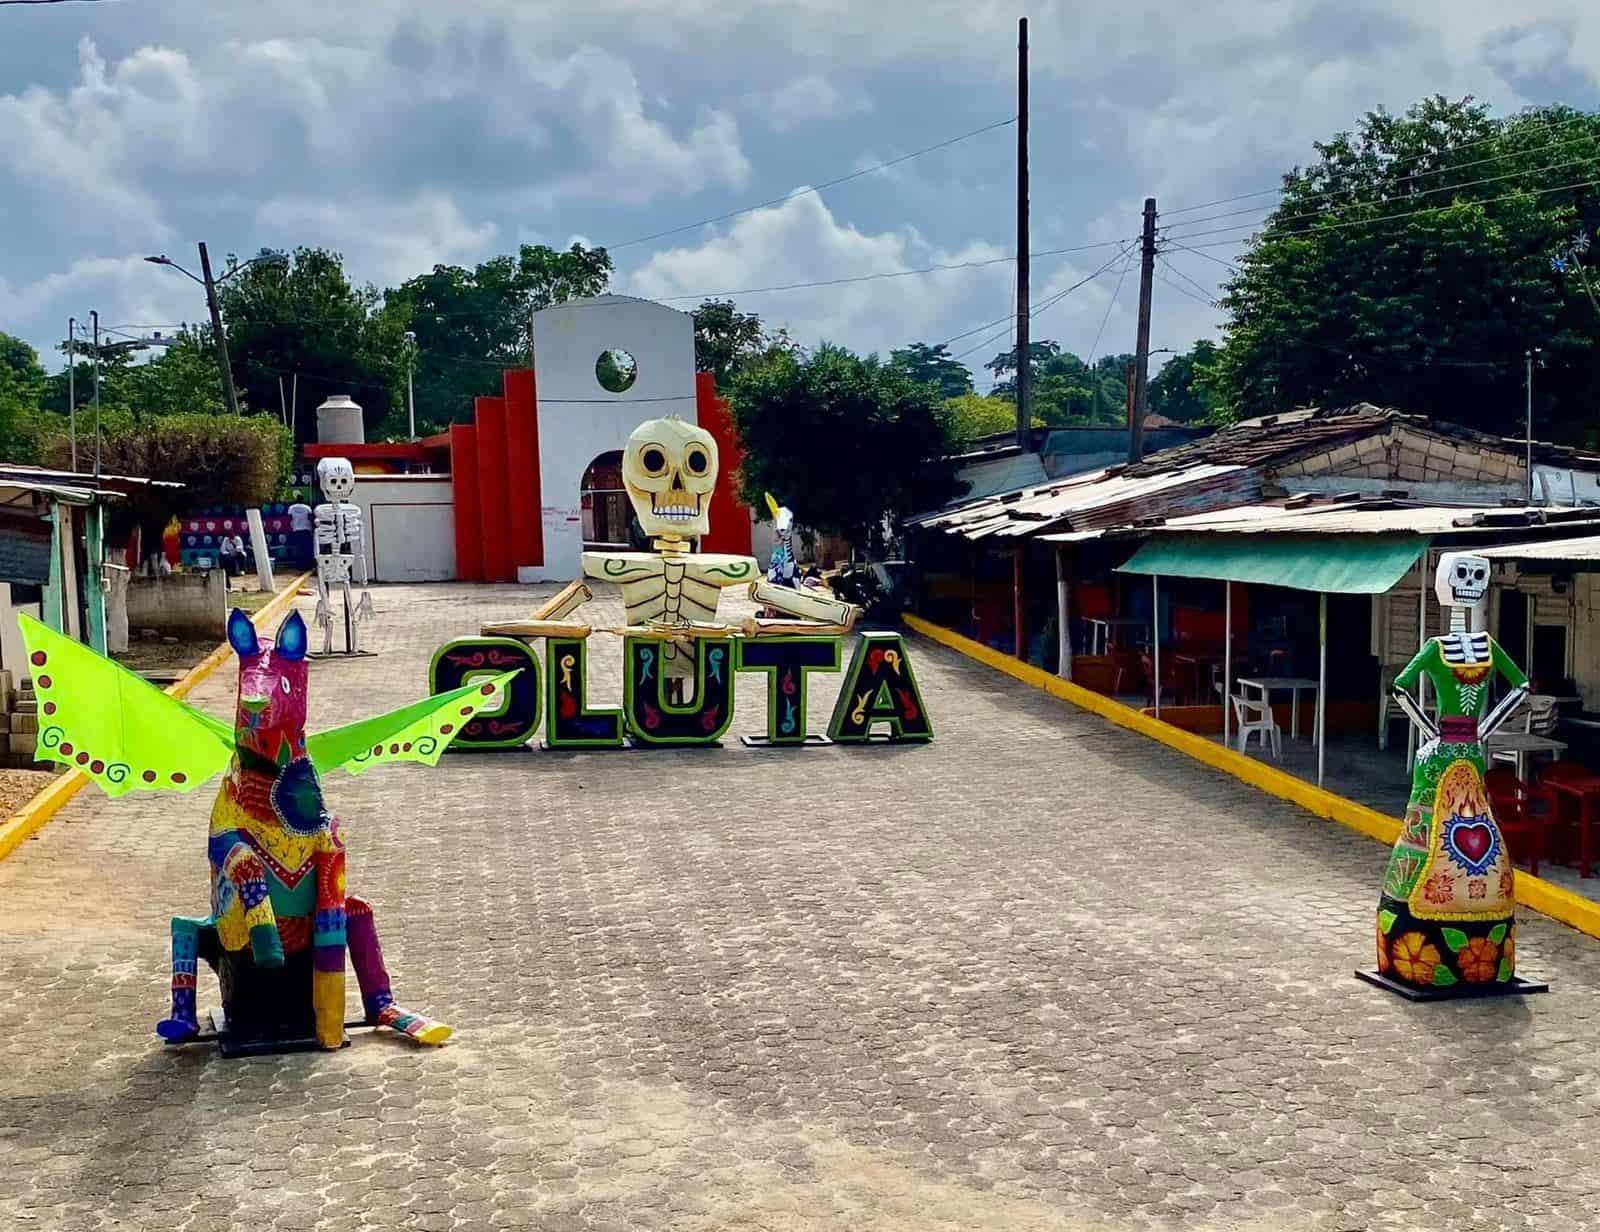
242 634
291 643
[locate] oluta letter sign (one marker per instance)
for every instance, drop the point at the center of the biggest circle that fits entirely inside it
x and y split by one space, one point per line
880 700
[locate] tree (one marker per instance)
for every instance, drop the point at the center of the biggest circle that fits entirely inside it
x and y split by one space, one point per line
1179 391
974 416
1414 263
725 340
1004 365
933 365
220 459
22 385
301 314
472 323
849 442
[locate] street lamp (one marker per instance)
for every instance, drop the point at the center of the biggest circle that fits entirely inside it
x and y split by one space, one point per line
210 284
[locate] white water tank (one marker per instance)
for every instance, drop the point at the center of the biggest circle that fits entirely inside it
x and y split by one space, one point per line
339 422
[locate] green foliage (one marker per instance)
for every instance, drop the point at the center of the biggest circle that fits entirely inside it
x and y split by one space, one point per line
972 416
22 384
1004 365
1067 392
472 323
301 314
849 441
933 365
1341 299
1180 390
220 459
726 340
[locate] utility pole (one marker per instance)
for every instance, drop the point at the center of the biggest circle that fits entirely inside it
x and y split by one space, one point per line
72 388
1024 368
1530 354
94 317
1141 360
216 330
411 365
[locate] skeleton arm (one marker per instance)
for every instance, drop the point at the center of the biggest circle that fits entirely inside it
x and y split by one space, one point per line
1408 706
1501 711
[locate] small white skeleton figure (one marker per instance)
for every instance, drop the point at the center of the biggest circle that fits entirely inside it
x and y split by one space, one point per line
1462 585
669 469
341 558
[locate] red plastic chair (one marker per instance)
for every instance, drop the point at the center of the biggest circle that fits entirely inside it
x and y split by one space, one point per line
1525 814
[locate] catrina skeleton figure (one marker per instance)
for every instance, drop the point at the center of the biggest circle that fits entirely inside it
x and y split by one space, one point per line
275 852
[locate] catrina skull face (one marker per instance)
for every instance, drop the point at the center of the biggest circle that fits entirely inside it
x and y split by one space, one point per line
669 469
337 478
1462 579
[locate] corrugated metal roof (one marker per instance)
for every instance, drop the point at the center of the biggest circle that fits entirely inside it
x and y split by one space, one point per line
1582 549
1362 518
1097 496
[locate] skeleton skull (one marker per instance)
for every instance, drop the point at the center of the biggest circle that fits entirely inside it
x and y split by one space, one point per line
337 478
669 470
1462 579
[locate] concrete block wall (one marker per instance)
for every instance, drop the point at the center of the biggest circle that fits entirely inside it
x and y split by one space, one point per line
181 604
1406 454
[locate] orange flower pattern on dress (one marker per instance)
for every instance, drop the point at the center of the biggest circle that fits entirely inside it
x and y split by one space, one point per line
1384 964
1439 888
1479 960
1415 958
1477 888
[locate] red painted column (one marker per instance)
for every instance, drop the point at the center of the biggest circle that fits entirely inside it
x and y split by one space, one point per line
464 490
494 484
730 518
522 455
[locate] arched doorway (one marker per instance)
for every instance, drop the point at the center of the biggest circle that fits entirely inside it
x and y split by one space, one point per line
607 515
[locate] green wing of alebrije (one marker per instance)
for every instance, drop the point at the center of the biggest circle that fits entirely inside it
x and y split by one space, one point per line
119 729
418 732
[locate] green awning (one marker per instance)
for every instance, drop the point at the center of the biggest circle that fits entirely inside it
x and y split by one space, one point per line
1352 564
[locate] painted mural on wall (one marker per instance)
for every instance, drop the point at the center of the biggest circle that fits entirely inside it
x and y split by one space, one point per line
281 922
1446 922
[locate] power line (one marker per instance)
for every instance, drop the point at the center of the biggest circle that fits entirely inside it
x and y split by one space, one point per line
1289 218
1167 264
1122 277
1047 303
1184 290
1366 222
1227 265
1447 149
801 192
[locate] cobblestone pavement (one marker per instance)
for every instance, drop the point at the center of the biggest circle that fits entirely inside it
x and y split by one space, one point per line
1039 974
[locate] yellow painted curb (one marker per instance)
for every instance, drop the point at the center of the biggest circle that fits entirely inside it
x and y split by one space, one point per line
1533 892
53 797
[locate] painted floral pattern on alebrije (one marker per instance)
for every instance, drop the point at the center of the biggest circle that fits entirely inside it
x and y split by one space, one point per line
1479 960
1415 958
1384 963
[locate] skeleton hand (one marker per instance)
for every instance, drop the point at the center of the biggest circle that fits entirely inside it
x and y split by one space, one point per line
364 608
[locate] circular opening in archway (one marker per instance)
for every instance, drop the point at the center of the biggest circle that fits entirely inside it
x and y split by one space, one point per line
616 371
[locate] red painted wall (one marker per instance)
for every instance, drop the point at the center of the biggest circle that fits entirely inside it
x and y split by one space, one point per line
494 487
522 454
464 488
730 519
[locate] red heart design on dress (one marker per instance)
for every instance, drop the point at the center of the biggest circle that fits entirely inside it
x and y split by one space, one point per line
1473 841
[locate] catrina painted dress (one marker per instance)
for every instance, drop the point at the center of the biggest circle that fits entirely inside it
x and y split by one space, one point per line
1447 912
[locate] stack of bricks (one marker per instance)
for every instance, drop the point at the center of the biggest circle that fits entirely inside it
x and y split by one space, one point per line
19 722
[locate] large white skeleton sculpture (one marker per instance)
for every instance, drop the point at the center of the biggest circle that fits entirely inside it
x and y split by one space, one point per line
670 471
341 557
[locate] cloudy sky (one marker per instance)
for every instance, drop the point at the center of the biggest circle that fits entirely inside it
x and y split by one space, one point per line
404 133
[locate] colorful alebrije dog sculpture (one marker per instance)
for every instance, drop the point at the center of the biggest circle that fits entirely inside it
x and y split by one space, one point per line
276 853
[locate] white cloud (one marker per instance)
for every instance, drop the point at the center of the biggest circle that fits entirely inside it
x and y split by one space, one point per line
807 99
389 242
801 241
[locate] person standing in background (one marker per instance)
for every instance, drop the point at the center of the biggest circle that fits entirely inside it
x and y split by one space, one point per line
300 533
230 558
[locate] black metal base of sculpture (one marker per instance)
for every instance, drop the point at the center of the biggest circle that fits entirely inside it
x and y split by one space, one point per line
812 741
265 1010
1516 986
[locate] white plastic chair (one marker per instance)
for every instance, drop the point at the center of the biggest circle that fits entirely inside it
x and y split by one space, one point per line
1253 716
